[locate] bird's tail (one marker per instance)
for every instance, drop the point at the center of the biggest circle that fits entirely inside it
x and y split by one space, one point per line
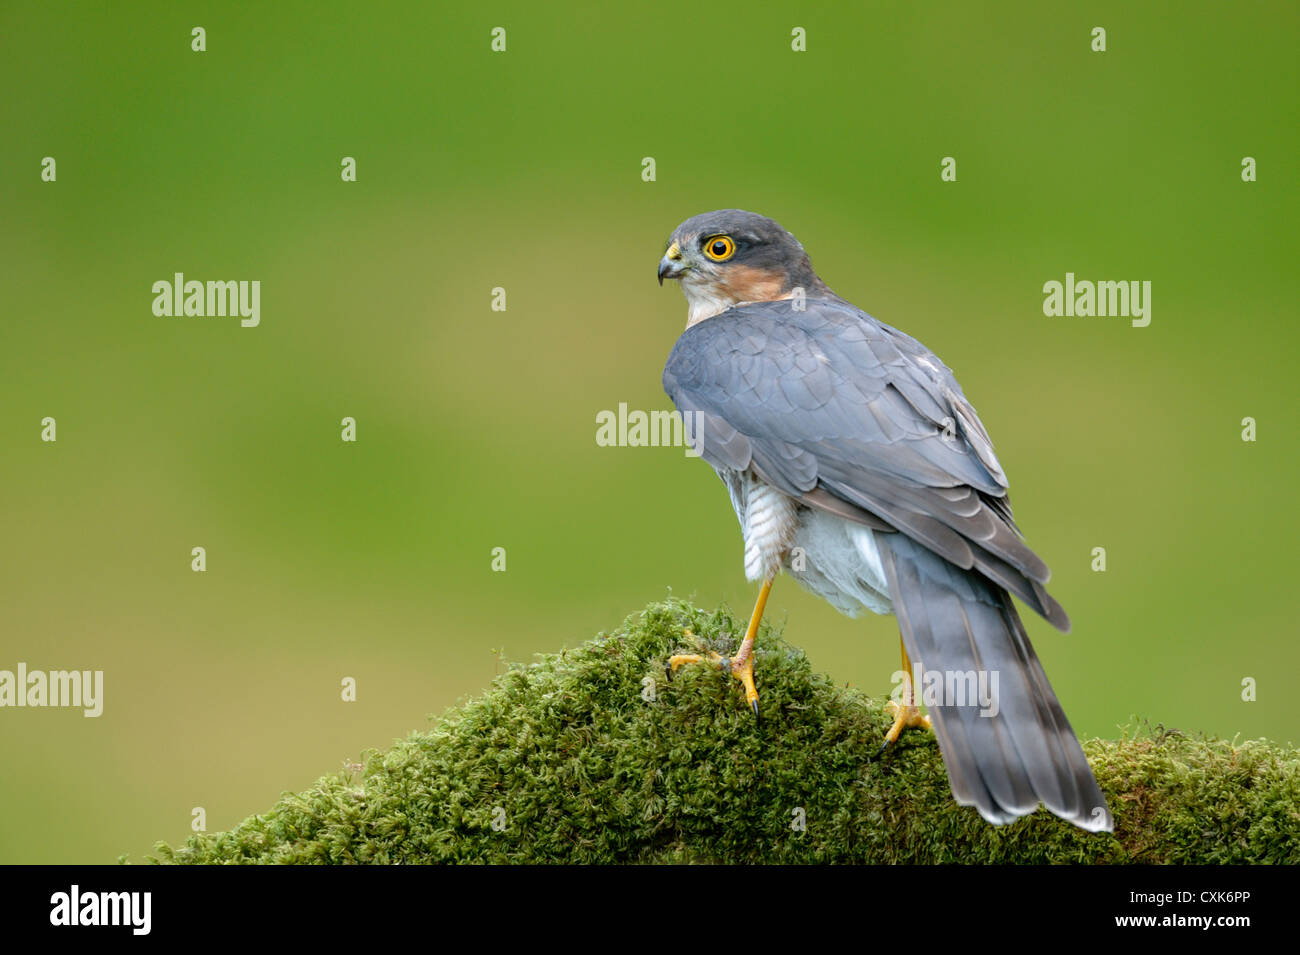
1010 747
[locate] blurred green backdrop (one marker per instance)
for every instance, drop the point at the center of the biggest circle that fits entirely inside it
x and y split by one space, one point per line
476 428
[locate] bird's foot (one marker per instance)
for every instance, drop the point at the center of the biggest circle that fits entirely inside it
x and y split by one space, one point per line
742 670
906 716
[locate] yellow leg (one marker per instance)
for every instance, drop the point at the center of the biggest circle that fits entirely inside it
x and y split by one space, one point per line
906 715
742 664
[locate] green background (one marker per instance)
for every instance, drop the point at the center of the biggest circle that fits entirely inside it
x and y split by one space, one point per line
477 428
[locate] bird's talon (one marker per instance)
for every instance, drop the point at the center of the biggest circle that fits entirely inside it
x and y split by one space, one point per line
742 671
905 717
745 673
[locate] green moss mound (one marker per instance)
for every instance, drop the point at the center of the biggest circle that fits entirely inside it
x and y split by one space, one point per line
566 760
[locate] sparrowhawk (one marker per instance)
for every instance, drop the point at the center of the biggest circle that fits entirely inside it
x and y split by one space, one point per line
856 464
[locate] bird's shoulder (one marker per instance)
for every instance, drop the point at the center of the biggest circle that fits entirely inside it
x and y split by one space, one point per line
835 408
847 375
829 338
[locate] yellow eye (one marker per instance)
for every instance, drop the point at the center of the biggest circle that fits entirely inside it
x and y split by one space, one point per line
720 248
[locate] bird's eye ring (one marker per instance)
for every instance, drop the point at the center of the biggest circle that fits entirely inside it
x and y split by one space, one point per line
719 248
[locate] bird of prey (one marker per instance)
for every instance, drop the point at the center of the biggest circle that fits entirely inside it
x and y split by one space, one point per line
856 464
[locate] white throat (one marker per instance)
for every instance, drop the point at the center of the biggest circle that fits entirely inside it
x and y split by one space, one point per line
701 304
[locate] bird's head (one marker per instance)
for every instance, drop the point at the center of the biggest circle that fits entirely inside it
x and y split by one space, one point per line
730 256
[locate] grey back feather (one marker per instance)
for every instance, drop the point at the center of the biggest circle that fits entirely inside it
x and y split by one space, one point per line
828 402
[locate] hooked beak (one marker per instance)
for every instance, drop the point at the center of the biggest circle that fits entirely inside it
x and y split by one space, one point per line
670 266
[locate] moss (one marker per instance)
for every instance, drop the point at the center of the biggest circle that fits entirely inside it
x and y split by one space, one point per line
577 766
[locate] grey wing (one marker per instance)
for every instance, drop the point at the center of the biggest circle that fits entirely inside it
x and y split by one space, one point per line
852 416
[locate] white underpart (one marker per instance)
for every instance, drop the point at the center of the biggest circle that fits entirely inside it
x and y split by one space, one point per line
706 306
704 302
842 563
835 558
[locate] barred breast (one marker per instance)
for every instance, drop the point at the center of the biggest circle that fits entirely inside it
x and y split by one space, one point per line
768 521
